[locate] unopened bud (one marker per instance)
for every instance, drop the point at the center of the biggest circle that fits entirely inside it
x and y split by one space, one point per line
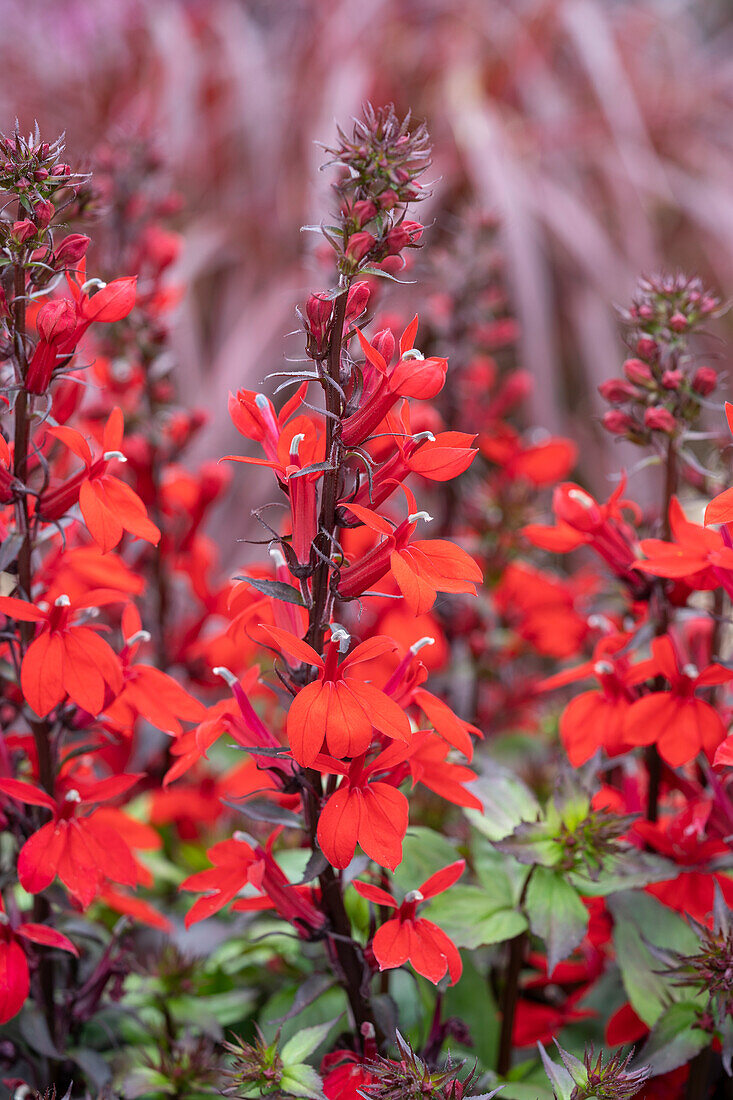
647 348
659 419
617 422
704 381
638 372
43 211
678 322
360 245
617 390
72 249
672 379
384 342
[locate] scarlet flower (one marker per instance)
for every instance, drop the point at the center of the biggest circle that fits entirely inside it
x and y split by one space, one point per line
364 810
339 706
109 506
300 451
420 568
596 719
698 556
236 864
14 972
678 722
66 658
84 851
720 508
409 938
412 376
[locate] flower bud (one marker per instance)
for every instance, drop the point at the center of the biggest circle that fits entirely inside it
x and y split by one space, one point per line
43 211
617 422
659 419
23 231
637 372
647 348
57 320
363 212
404 235
318 313
359 246
678 322
616 390
384 343
672 379
356 302
72 249
577 508
704 381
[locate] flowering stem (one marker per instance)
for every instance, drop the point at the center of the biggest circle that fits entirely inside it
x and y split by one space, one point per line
510 990
25 581
652 758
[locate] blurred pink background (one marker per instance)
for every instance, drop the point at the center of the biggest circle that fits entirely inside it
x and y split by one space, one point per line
600 133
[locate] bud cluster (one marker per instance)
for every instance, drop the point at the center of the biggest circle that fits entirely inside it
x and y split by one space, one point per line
382 159
660 391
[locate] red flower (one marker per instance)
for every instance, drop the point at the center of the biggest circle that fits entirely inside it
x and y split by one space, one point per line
697 555
109 506
66 658
83 851
338 707
14 973
420 569
597 719
408 938
363 810
678 722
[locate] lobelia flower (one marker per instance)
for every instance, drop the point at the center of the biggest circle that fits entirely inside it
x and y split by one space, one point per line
109 506
698 556
236 864
412 376
420 568
66 658
680 724
14 973
597 719
84 850
300 453
338 707
409 938
364 810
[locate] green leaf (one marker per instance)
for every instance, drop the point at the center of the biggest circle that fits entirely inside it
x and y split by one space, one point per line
423 852
639 917
302 1081
623 871
561 1081
473 916
507 802
277 590
304 1042
532 842
673 1040
556 914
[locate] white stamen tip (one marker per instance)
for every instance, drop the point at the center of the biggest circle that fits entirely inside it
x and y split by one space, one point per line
692 671
581 497
262 402
72 796
295 444
422 436
415 516
414 895
603 668
412 353
278 558
226 674
62 601
98 283
240 836
139 636
340 637
420 644
108 456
